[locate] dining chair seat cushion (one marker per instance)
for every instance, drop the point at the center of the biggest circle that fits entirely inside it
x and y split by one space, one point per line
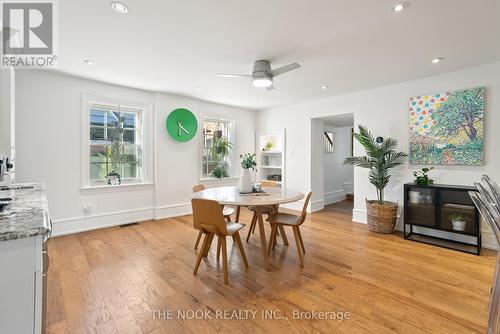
264 209
232 227
284 219
228 211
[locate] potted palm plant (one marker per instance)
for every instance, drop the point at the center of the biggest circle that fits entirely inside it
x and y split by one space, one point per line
220 149
381 157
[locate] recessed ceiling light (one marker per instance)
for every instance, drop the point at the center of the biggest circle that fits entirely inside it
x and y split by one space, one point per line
437 60
401 6
325 87
261 101
198 88
88 62
120 7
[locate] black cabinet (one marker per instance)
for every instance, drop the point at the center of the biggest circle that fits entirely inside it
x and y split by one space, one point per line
442 215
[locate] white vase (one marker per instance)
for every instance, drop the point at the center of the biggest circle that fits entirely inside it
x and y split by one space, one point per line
245 181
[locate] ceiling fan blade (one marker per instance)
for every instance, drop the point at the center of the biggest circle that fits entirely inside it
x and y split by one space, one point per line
228 75
271 87
283 69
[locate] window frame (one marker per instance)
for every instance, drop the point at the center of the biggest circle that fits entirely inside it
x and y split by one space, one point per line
232 138
145 123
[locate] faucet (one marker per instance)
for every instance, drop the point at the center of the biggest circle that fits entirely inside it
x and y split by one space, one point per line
5 167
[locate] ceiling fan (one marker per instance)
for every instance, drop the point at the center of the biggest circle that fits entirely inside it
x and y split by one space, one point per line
262 75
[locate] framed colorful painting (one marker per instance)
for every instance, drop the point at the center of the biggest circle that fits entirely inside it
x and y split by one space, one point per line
447 128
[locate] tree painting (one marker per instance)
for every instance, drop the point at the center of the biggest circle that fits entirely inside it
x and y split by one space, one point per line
447 128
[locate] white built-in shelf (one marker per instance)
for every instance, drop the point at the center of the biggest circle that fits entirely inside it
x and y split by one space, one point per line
271 163
272 167
271 152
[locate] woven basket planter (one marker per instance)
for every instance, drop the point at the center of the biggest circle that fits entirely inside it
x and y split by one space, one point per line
382 218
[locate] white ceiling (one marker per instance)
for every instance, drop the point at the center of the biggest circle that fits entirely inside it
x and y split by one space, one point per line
177 46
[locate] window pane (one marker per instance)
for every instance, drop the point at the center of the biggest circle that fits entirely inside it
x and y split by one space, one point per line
130 121
97 117
129 136
113 133
113 118
98 153
96 133
97 171
130 170
130 153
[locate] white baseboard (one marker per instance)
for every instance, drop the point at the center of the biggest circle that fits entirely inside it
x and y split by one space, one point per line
488 238
93 222
334 196
175 210
314 206
349 187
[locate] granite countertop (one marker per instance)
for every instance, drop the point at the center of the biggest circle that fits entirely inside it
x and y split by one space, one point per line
28 213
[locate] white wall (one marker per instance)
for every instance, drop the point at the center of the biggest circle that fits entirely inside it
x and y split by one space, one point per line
48 135
338 178
384 111
6 76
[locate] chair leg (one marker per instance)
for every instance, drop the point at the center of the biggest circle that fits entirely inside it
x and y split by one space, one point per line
200 233
283 235
272 238
301 241
252 225
224 259
255 225
200 254
218 248
297 242
209 244
237 238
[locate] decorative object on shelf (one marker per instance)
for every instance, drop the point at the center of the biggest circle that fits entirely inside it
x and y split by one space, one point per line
247 162
181 125
220 149
414 197
422 178
447 128
328 142
450 214
380 158
268 147
458 222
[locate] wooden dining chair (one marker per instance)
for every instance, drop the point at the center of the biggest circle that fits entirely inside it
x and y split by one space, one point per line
281 219
269 209
208 217
227 211
490 214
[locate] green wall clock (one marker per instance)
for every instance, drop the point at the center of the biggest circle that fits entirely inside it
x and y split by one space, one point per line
181 125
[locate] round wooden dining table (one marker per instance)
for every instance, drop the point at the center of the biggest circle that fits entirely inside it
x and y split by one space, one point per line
231 196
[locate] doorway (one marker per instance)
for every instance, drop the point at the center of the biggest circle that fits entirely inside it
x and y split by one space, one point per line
332 142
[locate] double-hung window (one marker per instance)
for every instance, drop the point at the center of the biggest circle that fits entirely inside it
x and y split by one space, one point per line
214 164
114 144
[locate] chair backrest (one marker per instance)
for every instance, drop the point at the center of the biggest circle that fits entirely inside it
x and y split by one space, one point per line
304 208
198 187
268 184
493 188
207 215
487 212
488 198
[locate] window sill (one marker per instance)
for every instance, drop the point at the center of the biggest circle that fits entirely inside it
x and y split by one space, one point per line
216 180
109 188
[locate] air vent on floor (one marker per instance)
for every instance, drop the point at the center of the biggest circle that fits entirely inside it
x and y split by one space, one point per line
129 224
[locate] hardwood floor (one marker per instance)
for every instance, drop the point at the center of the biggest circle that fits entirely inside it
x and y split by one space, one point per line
110 280
344 207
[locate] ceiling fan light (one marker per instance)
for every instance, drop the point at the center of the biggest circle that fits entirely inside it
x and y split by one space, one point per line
262 80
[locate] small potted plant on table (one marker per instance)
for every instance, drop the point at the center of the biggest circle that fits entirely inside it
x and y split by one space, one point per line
380 158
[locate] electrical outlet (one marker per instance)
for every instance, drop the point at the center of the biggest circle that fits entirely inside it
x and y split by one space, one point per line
87 209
